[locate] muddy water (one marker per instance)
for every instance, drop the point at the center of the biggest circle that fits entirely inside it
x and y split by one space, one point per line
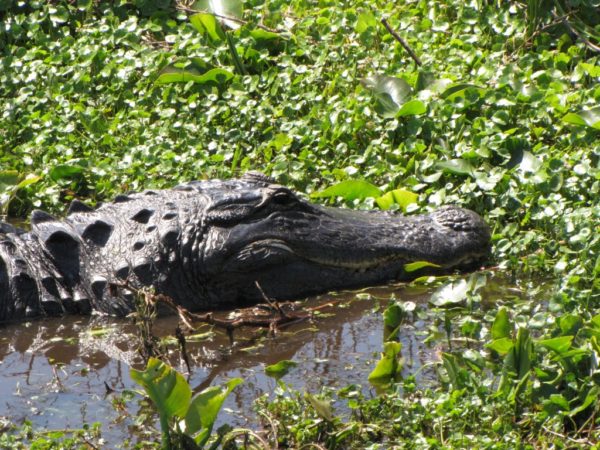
55 372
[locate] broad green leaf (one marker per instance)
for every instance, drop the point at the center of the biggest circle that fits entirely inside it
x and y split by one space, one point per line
388 368
412 108
224 8
390 93
590 118
204 409
459 90
417 265
350 190
502 345
451 293
322 407
166 388
456 166
591 69
280 369
263 35
62 171
558 345
590 397
213 76
400 197
207 24
29 179
366 20
501 328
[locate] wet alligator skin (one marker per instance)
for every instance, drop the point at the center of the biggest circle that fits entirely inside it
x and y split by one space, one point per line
206 244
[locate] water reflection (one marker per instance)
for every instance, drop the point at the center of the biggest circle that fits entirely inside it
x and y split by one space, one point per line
54 372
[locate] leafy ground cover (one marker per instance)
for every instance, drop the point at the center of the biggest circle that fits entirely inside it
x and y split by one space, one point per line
502 116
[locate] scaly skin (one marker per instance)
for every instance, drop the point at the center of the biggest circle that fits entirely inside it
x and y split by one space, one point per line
205 244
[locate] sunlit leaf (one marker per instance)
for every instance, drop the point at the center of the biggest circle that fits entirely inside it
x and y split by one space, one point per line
224 8
205 407
589 118
166 387
322 407
280 368
213 76
502 345
412 108
418 265
208 24
456 166
559 344
62 171
450 294
390 93
459 90
501 328
388 368
350 190
400 197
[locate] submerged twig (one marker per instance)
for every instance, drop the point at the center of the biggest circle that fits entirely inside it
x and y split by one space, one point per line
404 44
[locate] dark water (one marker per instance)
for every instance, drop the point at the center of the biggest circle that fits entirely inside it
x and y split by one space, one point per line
54 372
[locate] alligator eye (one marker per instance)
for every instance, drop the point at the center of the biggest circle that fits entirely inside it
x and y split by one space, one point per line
283 198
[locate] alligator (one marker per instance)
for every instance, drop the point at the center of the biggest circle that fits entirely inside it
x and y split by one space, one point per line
219 244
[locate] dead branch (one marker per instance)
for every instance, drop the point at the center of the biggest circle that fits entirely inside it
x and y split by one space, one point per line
402 42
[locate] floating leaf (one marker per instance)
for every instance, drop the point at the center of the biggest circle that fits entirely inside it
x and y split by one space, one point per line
589 118
350 190
280 369
207 24
366 21
263 35
451 293
390 93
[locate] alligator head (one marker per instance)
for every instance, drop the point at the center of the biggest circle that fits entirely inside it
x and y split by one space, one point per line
211 244
266 234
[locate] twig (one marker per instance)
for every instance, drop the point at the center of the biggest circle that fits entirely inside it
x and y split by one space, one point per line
402 42
272 303
181 339
221 16
572 29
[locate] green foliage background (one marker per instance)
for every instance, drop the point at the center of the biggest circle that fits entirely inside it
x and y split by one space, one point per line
503 116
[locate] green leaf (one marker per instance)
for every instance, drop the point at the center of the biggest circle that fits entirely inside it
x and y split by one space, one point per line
450 294
400 197
589 118
224 8
558 345
263 35
174 75
280 369
63 171
412 108
456 166
502 346
459 90
388 368
350 190
418 265
366 21
501 328
208 25
322 407
390 93
29 179
167 389
204 409
9 178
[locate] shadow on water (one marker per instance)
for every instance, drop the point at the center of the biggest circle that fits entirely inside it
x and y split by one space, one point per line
55 372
